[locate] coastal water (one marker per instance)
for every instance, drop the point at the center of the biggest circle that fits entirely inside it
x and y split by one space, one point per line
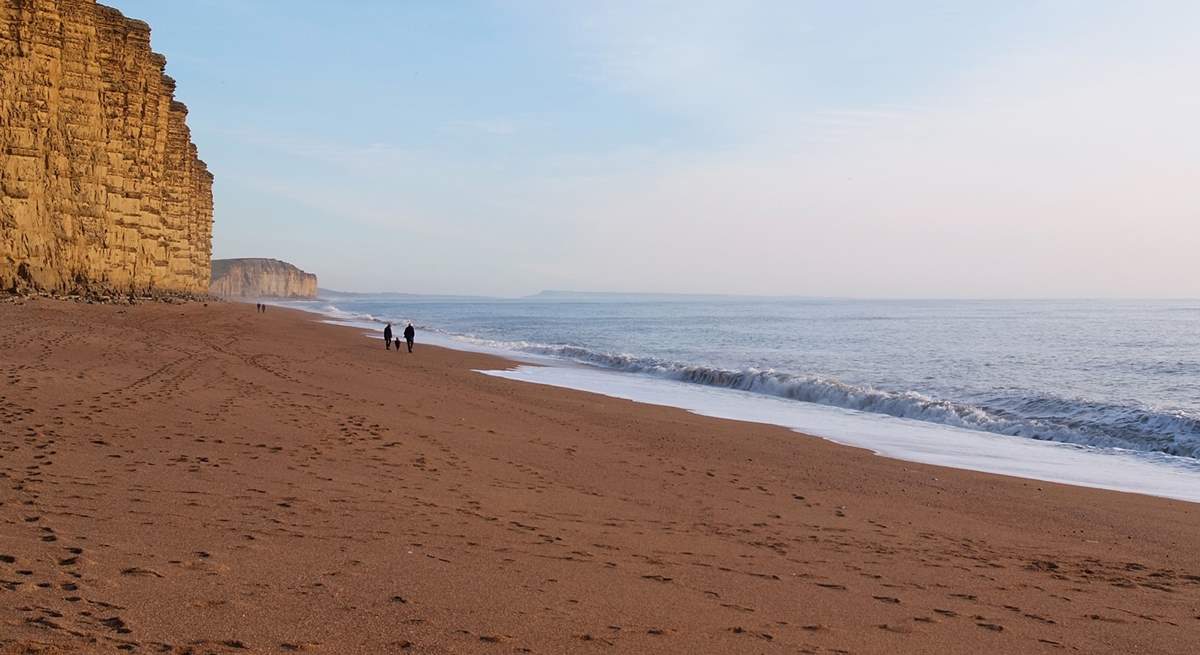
1108 377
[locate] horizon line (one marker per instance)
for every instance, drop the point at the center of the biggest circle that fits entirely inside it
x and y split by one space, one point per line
551 293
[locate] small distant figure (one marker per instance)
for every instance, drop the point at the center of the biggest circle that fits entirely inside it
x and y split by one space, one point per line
410 334
258 307
387 338
397 344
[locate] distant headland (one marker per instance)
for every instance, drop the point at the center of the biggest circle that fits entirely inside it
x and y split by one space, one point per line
260 278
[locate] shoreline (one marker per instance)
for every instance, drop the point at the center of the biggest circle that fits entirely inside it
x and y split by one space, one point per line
907 440
903 440
237 482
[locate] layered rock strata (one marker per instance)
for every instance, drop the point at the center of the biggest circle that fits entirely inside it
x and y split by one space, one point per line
260 278
101 189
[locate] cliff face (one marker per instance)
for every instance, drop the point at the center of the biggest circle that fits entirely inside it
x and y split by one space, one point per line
100 186
260 278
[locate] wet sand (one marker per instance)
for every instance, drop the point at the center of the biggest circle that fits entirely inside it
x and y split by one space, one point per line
192 479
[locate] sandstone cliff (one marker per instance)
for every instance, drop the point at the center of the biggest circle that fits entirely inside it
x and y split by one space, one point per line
100 186
260 278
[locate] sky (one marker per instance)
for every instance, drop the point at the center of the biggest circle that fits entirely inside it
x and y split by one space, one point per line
857 149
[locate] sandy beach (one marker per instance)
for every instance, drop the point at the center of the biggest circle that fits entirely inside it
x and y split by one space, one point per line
207 479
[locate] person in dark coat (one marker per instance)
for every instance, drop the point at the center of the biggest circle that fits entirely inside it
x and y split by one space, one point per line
409 334
387 337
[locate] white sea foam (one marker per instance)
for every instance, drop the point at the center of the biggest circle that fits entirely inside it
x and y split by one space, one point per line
899 438
1039 436
1034 416
1042 417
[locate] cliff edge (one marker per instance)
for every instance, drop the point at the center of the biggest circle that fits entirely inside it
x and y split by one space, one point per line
101 189
260 278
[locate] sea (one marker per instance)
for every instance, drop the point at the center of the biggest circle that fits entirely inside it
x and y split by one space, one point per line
1102 393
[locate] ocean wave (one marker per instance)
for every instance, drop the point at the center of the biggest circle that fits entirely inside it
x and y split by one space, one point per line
1035 416
335 312
1042 417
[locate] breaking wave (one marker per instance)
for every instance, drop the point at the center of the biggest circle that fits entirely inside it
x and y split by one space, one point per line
1035 416
1043 417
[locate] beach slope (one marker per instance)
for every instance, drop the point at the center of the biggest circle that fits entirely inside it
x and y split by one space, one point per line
207 479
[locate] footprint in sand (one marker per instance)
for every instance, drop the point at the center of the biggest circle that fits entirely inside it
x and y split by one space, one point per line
290 647
137 571
116 624
738 630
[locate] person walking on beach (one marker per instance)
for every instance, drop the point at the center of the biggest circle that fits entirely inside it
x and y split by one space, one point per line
387 337
409 334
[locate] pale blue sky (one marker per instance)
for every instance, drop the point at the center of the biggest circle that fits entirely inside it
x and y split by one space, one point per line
811 148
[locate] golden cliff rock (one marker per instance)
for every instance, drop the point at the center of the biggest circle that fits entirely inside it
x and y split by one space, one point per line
260 278
101 189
